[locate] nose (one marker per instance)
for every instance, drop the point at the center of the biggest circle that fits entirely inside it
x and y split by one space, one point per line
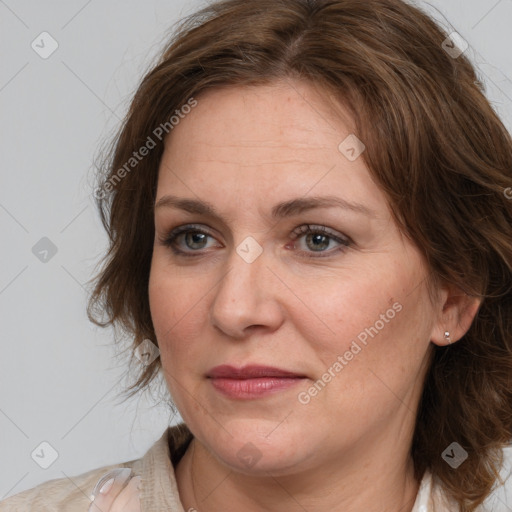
247 297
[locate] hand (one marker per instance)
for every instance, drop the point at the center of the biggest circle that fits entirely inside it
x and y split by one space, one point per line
116 491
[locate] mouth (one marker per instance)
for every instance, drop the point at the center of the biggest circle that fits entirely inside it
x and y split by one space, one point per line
250 372
250 382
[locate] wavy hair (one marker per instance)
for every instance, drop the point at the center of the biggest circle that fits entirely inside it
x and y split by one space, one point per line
434 145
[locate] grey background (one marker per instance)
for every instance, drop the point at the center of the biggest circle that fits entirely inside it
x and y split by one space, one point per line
58 377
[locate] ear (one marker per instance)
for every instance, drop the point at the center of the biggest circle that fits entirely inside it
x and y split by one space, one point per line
456 312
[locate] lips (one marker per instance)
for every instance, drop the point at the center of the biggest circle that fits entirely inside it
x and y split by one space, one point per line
252 382
249 372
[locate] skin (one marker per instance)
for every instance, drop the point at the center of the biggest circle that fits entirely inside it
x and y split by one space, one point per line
245 149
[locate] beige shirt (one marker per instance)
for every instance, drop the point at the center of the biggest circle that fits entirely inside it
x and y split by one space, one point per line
159 490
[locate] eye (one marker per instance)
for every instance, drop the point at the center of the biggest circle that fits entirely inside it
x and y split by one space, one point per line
195 239
319 238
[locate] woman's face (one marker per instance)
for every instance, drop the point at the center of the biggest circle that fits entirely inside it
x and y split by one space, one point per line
342 316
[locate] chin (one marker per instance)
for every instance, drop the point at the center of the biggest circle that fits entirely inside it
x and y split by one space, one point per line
255 461
256 447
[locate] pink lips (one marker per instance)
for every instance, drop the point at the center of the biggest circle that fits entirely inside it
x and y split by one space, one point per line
252 381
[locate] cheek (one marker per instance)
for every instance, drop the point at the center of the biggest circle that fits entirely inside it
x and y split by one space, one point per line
373 361
173 314
378 319
177 313
344 307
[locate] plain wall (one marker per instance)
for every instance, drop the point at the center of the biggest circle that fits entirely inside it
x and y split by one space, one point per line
58 376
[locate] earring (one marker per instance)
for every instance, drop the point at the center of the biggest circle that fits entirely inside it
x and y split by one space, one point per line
447 337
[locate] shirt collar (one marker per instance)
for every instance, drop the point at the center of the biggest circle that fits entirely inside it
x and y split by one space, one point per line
159 489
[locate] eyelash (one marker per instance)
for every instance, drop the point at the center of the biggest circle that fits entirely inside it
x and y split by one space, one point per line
170 240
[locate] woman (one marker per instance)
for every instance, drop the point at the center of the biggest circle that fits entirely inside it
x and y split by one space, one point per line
310 216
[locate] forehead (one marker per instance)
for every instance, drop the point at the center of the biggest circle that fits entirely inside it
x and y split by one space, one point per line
284 114
279 140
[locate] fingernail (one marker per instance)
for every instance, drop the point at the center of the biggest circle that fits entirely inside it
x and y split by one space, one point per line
106 487
106 482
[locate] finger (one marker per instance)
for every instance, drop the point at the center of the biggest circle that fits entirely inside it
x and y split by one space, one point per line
129 498
108 488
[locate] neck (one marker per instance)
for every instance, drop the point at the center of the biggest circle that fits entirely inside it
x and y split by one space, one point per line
354 481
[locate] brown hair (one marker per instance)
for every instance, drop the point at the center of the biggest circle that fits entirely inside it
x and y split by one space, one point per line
433 143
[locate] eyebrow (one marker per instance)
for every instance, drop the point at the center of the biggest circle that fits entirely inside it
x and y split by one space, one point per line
279 211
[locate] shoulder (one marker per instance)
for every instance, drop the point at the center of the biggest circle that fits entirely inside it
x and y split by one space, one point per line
72 494
62 494
431 498
436 500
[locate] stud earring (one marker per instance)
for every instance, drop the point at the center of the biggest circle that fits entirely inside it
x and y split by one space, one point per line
447 337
